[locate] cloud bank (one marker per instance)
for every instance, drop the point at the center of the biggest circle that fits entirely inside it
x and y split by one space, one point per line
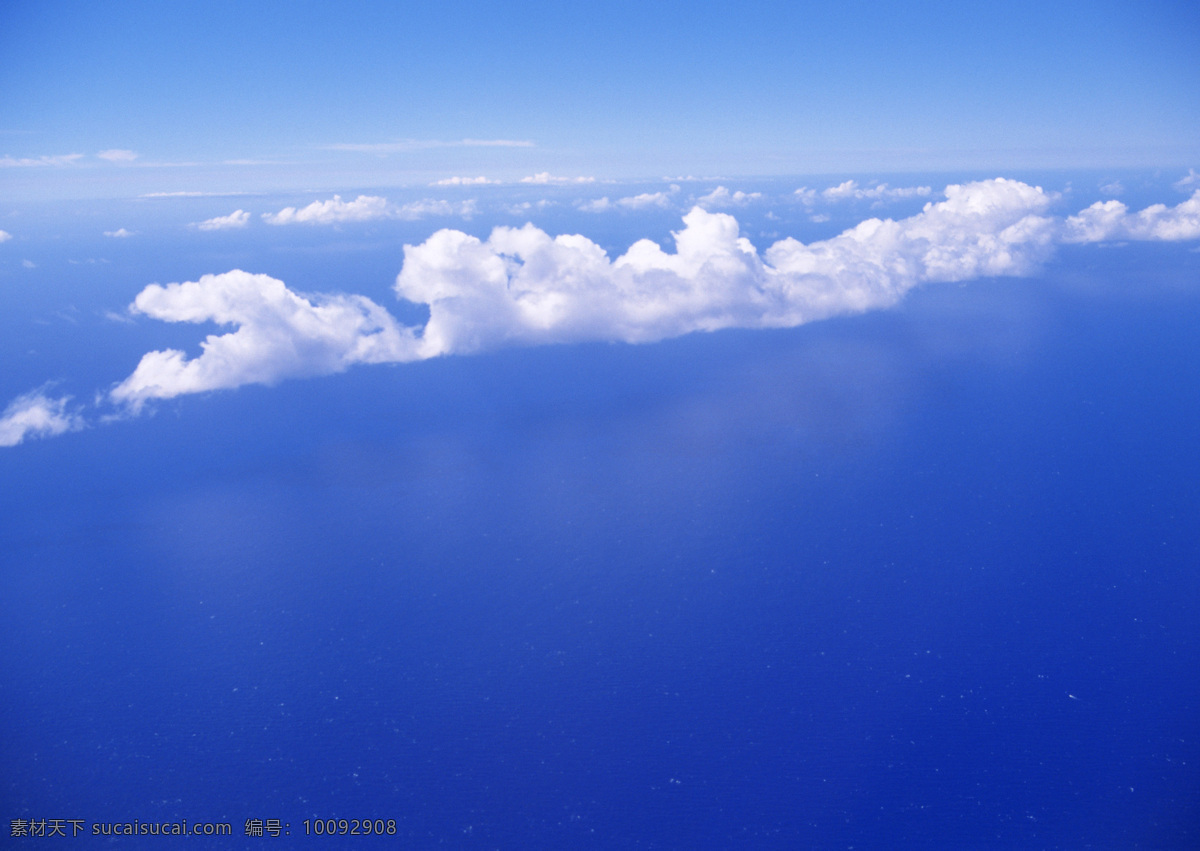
522 286
361 209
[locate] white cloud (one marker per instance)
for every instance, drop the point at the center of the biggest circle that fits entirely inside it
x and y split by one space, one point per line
850 190
28 264
1113 188
1186 182
36 415
633 202
722 197
27 162
523 286
117 155
361 209
1110 220
430 207
236 219
806 196
5 236
279 334
119 233
546 177
464 181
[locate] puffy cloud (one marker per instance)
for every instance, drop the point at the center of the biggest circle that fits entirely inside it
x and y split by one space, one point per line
5 236
117 155
119 233
279 334
633 202
1109 220
367 208
464 181
850 190
523 286
36 415
236 219
722 197
546 177
361 209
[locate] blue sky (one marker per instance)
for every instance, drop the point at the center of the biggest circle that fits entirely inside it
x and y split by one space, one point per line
309 95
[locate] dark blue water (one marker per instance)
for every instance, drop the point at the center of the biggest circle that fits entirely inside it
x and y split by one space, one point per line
921 578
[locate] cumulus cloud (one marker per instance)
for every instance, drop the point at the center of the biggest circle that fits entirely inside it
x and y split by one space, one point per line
36 415
117 155
722 197
361 209
1111 220
279 334
5 236
523 286
236 219
119 233
850 190
546 177
464 181
633 202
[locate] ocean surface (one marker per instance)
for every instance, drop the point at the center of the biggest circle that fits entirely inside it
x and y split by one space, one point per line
920 578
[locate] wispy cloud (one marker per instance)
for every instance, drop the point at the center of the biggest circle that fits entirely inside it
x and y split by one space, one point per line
35 162
400 146
722 197
119 233
1185 183
5 236
851 190
36 415
236 219
118 155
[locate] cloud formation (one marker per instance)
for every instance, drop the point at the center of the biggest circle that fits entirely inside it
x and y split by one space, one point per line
722 197
522 286
366 208
545 177
279 334
1111 220
464 181
361 209
5 236
36 415
236 219
850 190
119 233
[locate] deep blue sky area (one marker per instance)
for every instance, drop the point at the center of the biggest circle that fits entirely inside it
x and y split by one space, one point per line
601 425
